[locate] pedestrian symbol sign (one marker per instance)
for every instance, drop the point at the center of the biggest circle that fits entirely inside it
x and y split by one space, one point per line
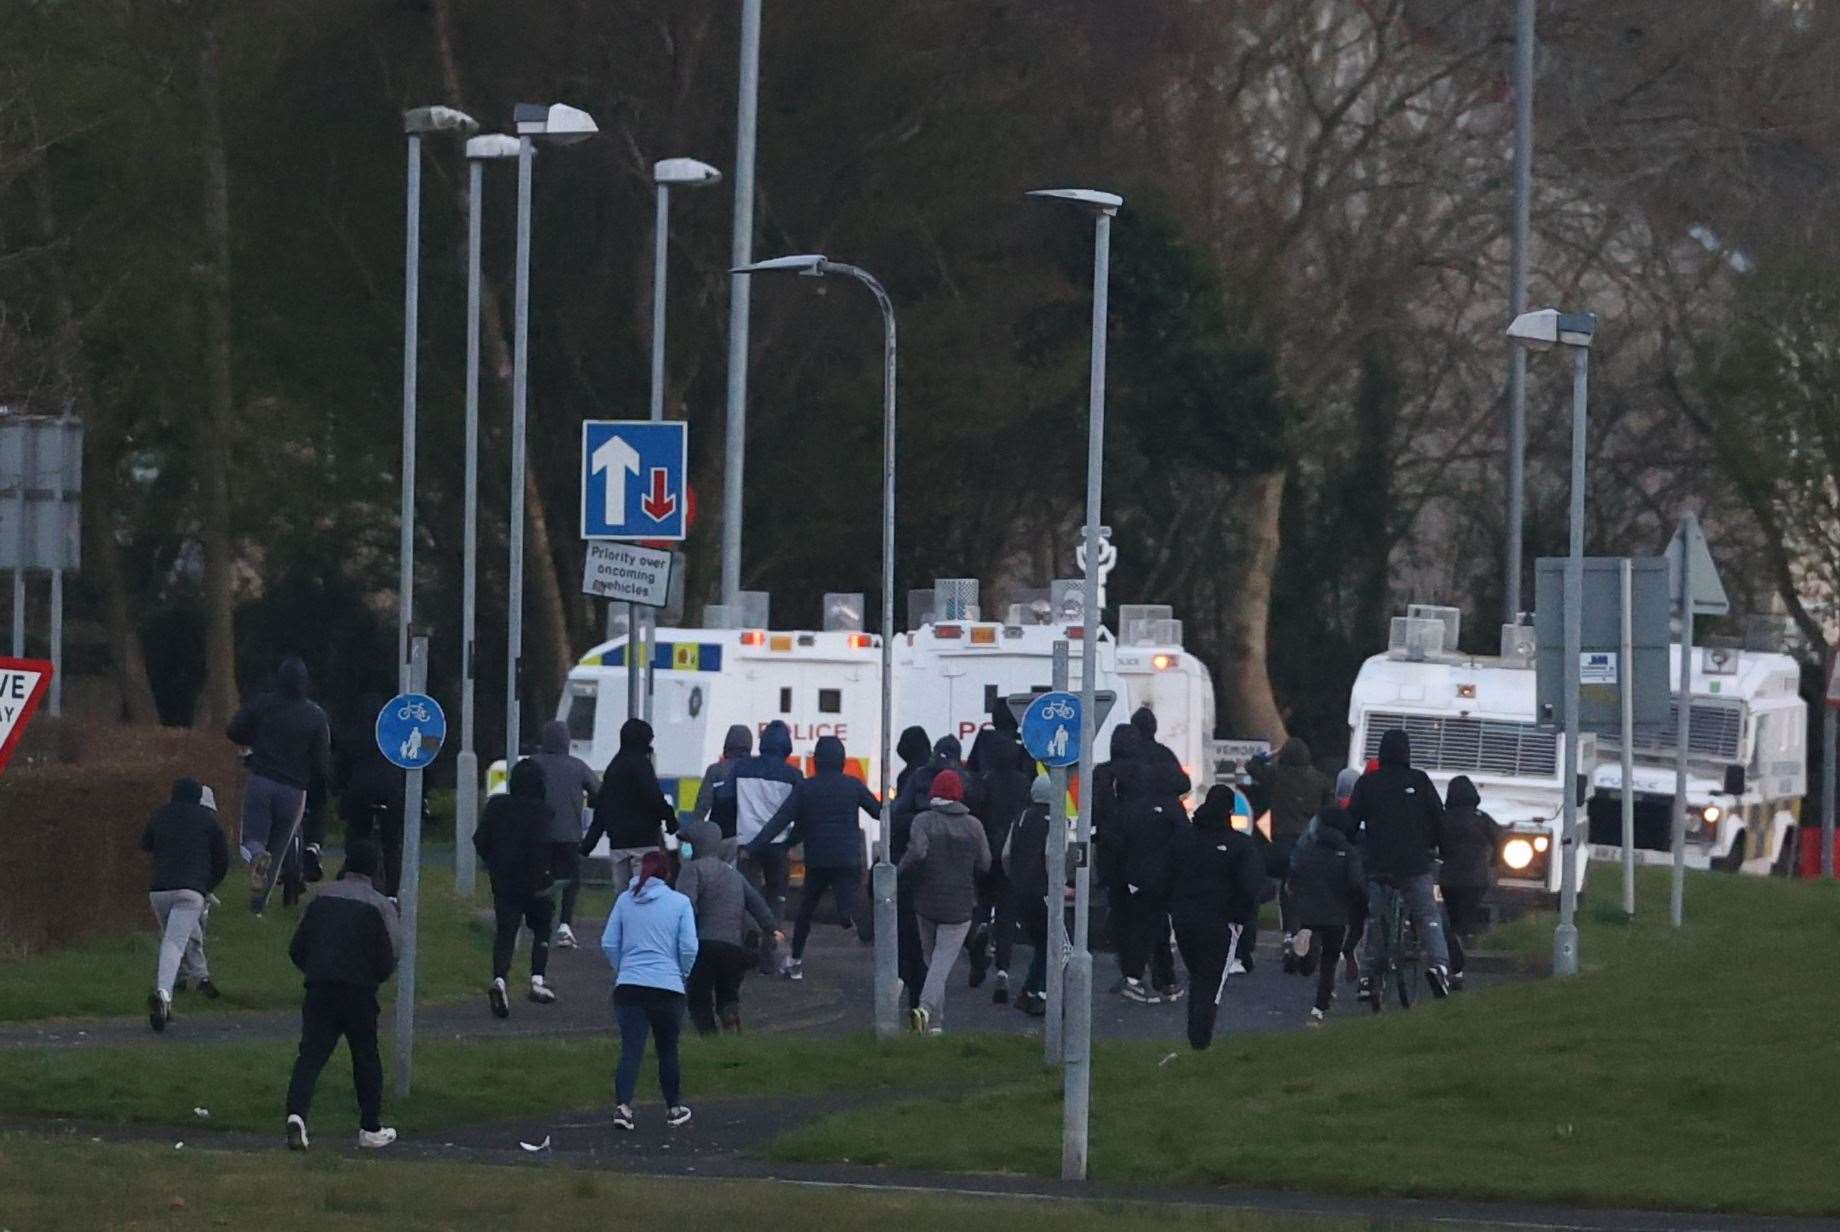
1051 729
633 476
410 730
22 687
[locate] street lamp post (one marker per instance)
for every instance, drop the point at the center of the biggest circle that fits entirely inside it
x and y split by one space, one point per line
416 121
556 124
479 151
1541 331
741 254
1518 249
1076 996
882 875
666 174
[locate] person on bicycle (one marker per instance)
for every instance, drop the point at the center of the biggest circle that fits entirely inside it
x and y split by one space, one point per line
1401 817
290 746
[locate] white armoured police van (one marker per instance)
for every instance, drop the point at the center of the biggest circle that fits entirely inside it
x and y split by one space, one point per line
1473 715
1747 767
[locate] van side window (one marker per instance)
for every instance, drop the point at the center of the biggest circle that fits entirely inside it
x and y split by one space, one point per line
785 701
830 701
581 716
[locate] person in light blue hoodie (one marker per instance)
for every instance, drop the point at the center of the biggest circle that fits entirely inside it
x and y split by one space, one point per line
650 942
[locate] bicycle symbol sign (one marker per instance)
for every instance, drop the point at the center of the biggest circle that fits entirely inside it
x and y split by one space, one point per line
410 730
1051 729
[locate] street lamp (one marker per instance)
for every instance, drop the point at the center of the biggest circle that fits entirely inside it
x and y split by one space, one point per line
666 174
882 876
741 253
417 121
1541 331
479 151
555 124
1076 993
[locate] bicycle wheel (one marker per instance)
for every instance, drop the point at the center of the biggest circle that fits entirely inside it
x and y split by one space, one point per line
1409 966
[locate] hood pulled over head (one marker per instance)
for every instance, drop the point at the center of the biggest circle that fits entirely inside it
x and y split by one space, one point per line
555 737
291 677
1462 793
776 741
1217 809
828 756
913 746
1294 753
1144 720
1396 749
738 741
948 750
1041 791
526 780
1127 742
635 736
187 791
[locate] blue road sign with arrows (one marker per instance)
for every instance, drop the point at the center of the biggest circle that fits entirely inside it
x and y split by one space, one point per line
633 476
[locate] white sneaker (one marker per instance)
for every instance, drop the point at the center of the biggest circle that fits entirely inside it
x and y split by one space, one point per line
565 937
1236 967
1316 1017
1300 943
296 1132
919 1019
498 999
540 992
679 1114
795 969
376 1140
623 1117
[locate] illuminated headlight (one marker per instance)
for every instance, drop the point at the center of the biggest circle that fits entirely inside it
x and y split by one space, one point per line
1711 813
1541 843
1517 854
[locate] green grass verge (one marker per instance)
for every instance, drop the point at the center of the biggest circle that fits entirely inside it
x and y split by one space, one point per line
52 1187
471 1082
1675 1072
106 976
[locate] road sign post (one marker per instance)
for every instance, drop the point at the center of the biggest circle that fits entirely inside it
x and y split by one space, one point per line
23 684
410 731
1626 697
1830 720
1055 855
1697 592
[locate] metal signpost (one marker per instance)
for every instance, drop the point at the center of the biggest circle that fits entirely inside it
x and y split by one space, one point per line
1626 697
1831 712
1698 592
410 731
41 488
1045 727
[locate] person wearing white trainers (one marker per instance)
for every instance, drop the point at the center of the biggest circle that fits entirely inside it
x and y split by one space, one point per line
947 851
346 946
190 858
651 943
513 842
568 784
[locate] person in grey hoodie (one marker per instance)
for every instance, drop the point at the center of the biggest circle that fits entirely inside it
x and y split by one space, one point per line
724 900
947 852
567 784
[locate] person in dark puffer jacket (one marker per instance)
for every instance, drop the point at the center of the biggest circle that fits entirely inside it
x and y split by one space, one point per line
190 858
1328 885
823 817
513 842
1150 827
1468 841
346 946
1218 875
631 808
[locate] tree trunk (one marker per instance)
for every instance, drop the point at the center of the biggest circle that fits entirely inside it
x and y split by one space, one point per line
135 693
219 700
554 656
1251 708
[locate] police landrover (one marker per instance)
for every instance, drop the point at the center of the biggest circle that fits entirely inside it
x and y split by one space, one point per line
1473 715
1747 767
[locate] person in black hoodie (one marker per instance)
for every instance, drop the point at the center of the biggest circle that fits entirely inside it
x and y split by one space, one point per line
1468 840
1298 792
190 858
372 801
290 748
913 748
1398 808
1116 783
1003 729
1214 892
513 841
631 806
1025 859
1150 826
1327 885
1005 786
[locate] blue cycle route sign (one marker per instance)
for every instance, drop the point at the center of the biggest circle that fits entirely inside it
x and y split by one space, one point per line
1051 729
410 730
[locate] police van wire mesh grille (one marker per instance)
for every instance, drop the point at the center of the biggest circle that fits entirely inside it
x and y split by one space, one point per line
1714 730
1470 746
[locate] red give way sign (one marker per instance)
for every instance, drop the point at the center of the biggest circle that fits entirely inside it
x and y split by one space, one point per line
22 687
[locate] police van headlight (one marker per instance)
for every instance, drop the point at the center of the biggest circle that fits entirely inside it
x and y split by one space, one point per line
1517 854
1711 814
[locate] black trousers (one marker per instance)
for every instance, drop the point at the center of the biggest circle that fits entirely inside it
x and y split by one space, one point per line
1326 945
841 882
329 1012
510 913
1205 942
908 958
1146 937
1278 866
1463 910
383 827
565 866
993 921
714 986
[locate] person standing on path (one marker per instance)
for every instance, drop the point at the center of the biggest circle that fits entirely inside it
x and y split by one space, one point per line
946 854
567 785
1025 859
1299 792
190 858
631 809
650 941
1214 891
823 817
1327 884
513 842
723 901
346 946
1468 840
290 746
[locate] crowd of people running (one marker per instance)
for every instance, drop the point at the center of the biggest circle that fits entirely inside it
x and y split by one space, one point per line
701 898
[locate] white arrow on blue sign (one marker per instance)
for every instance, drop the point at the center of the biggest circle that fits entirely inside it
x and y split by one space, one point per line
633 477
411 728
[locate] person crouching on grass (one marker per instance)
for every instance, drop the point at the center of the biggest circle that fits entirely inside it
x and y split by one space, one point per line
346 946
650 942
